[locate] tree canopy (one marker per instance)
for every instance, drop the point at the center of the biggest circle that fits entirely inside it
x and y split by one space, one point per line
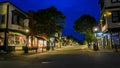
48 21
84 25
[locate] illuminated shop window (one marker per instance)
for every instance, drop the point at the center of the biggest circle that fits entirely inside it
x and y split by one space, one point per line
35 42
16 40
20 40
1 39
11 40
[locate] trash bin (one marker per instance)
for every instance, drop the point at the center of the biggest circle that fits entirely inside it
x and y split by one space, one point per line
25 48
116 48
95 47
47 47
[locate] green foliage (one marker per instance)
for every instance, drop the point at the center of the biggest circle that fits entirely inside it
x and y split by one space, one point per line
84 25
49 21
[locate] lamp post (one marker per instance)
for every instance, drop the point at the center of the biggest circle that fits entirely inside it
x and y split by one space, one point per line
26 24
95 30
27 41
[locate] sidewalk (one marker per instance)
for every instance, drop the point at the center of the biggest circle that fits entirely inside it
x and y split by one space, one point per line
4 56
102 50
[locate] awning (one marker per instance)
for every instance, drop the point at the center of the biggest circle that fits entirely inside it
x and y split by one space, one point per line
42 36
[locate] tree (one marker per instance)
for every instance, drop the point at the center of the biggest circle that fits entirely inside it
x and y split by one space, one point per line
48 21
84 25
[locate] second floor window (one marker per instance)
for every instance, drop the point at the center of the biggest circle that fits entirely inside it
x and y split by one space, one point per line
115 1
15 19
115 16
2 19
101 5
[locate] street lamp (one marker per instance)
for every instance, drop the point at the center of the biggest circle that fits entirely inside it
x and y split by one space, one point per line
26 25
27 30
95 30
27 40
107 13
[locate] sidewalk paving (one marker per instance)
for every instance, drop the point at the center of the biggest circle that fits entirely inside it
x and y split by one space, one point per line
103 50
4 55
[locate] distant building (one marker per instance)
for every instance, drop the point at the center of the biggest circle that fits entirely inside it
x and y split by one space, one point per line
109 20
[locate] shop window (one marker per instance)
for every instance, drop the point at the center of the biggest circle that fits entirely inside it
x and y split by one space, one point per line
1 40
11 40
35 42
20 40
16 40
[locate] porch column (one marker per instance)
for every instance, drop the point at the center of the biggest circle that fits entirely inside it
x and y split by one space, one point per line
6 31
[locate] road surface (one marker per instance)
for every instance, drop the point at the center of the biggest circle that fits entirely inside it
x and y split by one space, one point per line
68 57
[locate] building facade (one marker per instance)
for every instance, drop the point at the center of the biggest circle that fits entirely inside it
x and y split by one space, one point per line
13 27
110 21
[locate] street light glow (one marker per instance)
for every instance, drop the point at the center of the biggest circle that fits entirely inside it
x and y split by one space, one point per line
108 13
27 30
95 29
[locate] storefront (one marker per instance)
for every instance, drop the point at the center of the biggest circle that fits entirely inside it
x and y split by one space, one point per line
33 42
15 40
42 44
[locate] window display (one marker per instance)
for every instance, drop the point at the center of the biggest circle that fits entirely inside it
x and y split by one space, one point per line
16 40
1 39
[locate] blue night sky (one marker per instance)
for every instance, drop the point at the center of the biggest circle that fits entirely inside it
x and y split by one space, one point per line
72 9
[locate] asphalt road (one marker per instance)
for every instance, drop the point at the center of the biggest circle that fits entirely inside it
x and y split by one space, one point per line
69 57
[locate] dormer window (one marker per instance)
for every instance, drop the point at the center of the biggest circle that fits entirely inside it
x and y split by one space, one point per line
115 1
